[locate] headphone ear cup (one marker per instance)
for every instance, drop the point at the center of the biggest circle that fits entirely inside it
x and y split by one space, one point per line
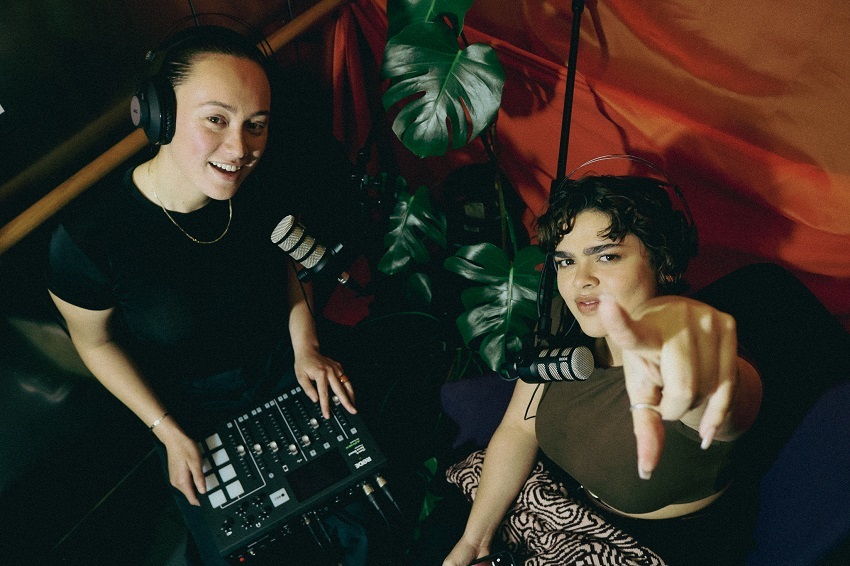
691 237
689 246
154 109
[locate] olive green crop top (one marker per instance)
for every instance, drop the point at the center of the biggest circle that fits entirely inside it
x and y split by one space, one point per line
585 427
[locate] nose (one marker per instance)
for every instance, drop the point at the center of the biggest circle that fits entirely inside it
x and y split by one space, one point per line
235 144
583 275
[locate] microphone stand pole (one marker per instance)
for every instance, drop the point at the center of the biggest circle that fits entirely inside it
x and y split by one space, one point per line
578 8
544 323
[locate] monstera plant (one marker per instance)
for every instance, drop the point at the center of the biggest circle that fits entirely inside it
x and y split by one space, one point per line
446 93
501 305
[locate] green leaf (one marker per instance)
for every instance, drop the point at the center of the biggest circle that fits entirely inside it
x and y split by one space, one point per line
413 221
419 287
437 84
502 310
402 13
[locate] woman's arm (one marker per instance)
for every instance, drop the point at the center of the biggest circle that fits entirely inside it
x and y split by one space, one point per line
91 335
510 456
310 365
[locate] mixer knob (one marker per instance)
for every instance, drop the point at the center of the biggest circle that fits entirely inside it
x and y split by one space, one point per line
240 450
273 446
314 423
336 400
305 440
293 449
258 449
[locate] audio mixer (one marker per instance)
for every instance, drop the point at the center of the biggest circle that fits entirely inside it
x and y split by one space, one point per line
271 467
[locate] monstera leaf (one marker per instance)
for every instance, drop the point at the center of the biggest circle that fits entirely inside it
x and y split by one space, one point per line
447 95
402 13
413 221
503 309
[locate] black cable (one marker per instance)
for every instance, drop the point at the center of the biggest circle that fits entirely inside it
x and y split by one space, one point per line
194 14
370 495
382 485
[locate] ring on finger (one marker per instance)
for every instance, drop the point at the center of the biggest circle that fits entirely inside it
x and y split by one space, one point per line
343 378
638 406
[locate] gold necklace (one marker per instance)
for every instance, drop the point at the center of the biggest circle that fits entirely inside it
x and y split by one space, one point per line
185 233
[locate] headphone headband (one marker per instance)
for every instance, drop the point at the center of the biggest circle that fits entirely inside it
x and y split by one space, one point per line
664 178
154 107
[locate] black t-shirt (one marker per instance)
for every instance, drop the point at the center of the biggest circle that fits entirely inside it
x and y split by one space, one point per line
182 309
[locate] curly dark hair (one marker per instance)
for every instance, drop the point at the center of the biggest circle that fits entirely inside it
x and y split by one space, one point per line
635 205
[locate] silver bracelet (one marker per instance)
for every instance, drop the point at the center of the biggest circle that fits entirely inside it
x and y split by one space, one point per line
157 421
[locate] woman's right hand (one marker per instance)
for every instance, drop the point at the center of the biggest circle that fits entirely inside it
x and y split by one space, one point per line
465 552
184 460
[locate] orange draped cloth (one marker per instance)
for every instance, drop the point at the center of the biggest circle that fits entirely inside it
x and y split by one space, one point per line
744 105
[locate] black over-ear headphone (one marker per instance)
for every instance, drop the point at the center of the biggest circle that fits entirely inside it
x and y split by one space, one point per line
154 106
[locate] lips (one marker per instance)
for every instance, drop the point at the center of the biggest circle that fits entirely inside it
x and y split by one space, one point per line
226 167
587 305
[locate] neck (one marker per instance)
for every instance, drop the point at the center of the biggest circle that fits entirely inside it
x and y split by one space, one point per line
607 354
164 188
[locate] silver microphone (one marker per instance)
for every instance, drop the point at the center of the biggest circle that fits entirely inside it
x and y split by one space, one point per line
553 364
291 237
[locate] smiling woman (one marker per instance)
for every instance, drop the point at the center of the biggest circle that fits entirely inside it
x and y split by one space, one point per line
171 294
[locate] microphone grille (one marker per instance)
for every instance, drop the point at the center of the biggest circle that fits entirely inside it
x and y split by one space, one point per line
582 363
282 231
290 237
565 364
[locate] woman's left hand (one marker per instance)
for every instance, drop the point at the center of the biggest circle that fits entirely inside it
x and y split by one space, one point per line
321 378
678 355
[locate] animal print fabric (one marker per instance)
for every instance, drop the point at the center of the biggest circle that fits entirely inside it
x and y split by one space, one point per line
547 527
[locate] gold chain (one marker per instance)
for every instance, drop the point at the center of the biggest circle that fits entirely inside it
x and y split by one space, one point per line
185 233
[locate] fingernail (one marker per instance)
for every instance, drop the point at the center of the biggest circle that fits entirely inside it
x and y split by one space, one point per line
708 437
644 474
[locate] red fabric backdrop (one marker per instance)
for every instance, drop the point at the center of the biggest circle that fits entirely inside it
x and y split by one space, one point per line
742 104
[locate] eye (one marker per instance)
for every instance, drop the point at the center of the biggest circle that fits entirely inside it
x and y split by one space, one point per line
218 120
608 257
256 127
563 262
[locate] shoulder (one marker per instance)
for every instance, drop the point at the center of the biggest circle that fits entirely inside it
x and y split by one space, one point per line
102 205
96 221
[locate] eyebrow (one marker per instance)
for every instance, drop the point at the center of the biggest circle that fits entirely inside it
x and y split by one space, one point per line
593 250
231 108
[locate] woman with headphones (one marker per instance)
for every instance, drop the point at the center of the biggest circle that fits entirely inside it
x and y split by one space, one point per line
170 288
647 440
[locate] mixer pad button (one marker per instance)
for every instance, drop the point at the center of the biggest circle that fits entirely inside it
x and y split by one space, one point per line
220 458
217 499
211 481
227 473
235 489
213 441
